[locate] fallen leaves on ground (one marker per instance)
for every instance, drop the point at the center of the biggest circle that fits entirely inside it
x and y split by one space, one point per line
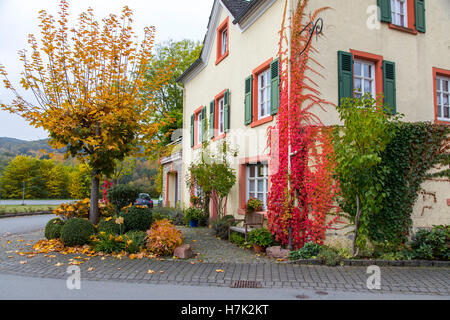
23 262
150 271
219 271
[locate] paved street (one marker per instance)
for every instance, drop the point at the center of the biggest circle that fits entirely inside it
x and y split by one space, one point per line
19 287
26 224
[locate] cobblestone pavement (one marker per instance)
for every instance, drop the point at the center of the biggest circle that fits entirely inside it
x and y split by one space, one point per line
218 256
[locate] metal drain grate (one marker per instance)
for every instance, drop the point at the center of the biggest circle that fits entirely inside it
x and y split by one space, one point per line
246 284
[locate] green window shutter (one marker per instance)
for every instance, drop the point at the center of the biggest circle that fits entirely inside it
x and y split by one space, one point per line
275 87
345 75
192 129
204 128
248 100
420 15
212 118
389 86
385 10
226 111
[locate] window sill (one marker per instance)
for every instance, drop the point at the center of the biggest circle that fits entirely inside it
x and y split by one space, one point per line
261 121
404 29
222 136
219 59
446 122
198 146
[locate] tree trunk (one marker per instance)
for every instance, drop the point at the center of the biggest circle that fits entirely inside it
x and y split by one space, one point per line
93 210
357 219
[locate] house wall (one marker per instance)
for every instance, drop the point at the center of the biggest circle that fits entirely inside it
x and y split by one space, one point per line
345 28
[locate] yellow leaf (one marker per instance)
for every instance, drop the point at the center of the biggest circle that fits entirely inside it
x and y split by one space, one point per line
150 271
219 271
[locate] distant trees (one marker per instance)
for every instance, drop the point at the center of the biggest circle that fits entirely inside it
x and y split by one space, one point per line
44 179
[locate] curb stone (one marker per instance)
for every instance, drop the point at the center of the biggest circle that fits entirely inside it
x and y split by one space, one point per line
381 263
22 214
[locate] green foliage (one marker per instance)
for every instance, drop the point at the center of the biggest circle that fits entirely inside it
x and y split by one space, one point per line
260 237
254 204
53 228
221 226
329 256
173 214
432 244
358 149
309 250
135 241
109 226
137 218
108 243
237 239
77 232
194 214
123 195
414 149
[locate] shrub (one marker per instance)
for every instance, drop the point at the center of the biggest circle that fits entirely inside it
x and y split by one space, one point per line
80 209
260 237
237 238
310 249
171 212
109 225
179 219
53 228
432 244
135 240
137 218
254 204
329 256
221 227
159 216
77 232
108 243
123 195
163 238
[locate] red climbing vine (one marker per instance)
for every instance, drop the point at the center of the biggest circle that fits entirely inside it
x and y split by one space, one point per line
303 196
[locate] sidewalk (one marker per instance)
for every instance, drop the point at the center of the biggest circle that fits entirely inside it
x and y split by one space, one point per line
219 264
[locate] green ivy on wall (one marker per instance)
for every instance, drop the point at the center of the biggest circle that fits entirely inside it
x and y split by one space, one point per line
414 149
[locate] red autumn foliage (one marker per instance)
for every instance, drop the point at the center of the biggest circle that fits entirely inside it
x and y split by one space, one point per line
303 197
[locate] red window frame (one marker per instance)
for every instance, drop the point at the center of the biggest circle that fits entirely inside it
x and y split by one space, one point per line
411 7
224 25
378 60
243 180
216 116
196 113
444 73
256 72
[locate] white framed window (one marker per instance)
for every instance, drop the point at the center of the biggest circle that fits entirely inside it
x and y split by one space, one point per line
199 128
224 45
399 10
443 98
264 94
364 75
221 118
258 182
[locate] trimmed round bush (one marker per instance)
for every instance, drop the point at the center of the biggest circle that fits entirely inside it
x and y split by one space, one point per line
109 226
137 218
53 228
122 195
77 232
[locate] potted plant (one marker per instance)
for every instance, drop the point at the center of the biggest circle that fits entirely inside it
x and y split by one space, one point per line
254 204
260 239
193 216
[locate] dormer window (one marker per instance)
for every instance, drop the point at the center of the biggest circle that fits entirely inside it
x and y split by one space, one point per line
222 41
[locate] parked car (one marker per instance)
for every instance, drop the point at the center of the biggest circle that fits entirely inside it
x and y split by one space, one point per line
144 200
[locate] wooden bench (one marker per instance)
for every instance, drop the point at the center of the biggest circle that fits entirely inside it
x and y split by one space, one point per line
252 220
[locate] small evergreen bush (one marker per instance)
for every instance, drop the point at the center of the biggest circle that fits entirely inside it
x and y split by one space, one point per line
77 232
137 218
109 225
53 228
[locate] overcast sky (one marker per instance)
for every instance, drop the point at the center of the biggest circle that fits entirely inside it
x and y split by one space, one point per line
173 19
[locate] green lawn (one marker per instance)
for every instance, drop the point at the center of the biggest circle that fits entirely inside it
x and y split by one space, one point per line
27 208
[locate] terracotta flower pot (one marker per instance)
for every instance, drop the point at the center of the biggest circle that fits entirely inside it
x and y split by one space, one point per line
259 249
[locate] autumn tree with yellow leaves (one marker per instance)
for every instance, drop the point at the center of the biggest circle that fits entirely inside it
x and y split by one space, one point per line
87 82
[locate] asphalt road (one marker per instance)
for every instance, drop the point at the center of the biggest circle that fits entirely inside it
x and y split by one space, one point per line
33 202
25 224
14 287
